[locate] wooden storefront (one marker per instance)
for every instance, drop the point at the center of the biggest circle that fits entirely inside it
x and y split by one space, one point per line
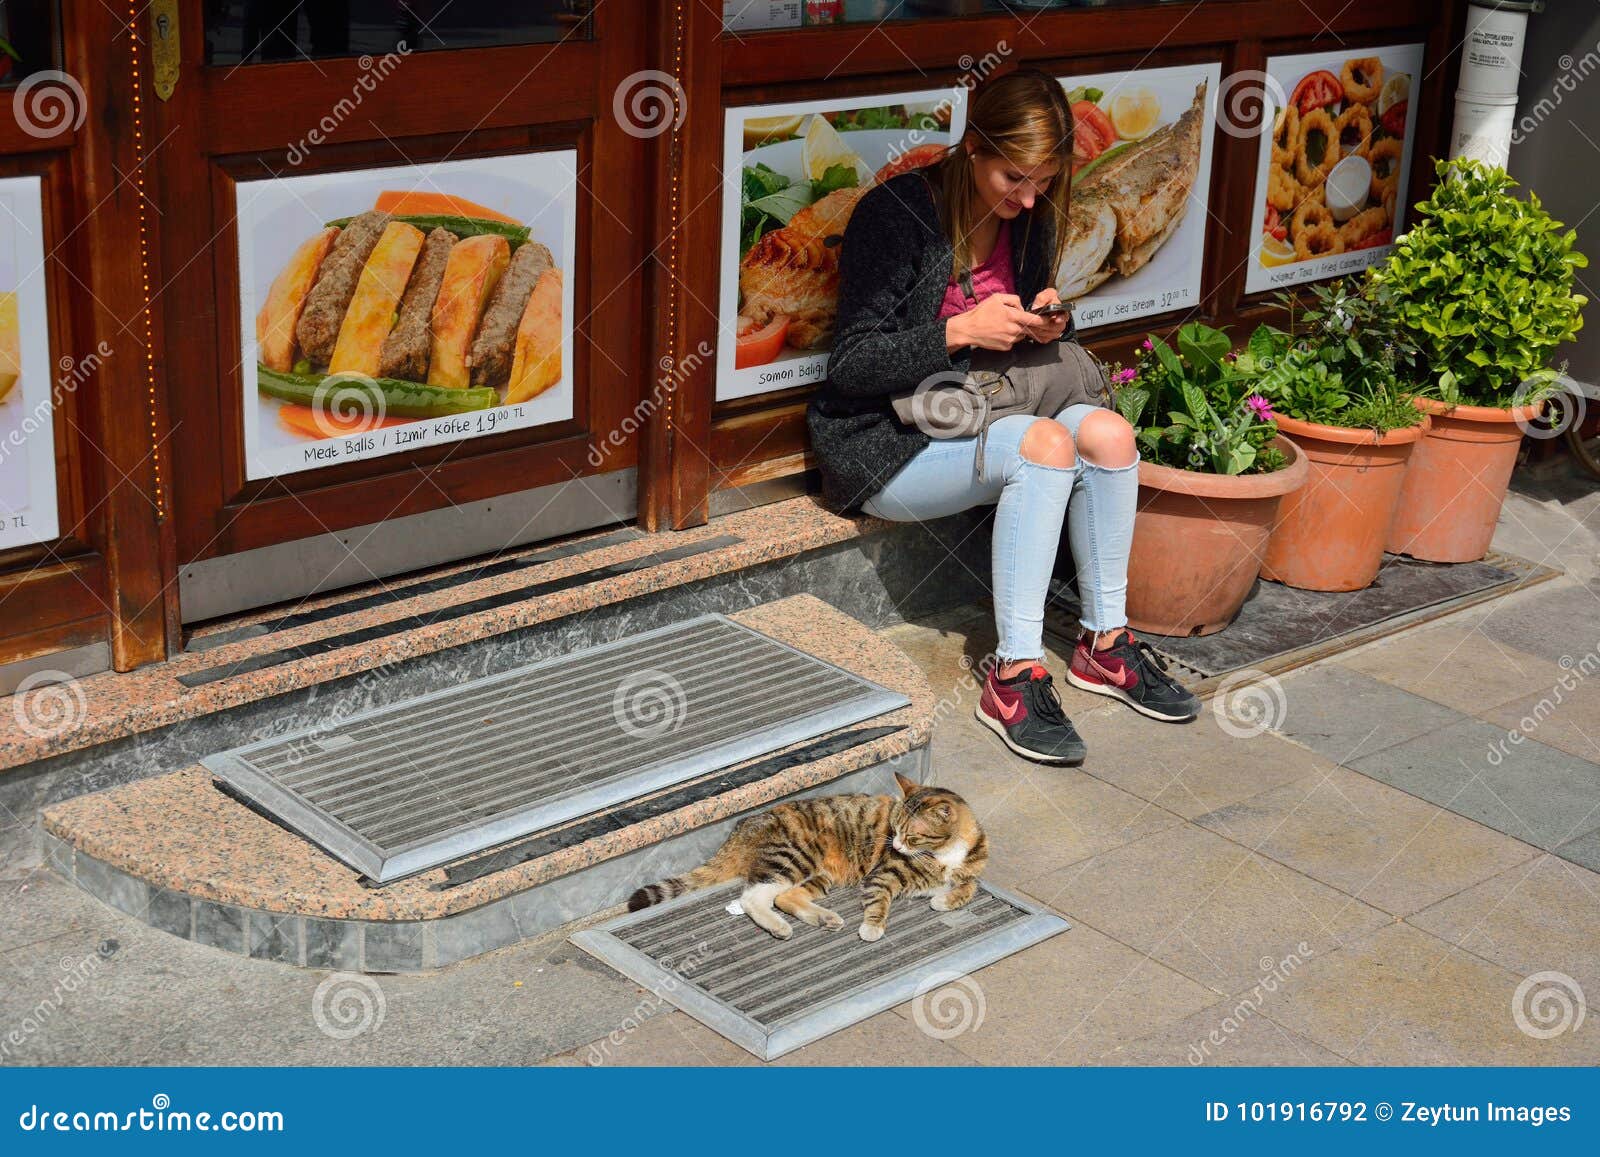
177 120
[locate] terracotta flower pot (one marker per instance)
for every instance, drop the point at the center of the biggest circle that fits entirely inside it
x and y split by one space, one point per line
1198 541
1457 481
1330 532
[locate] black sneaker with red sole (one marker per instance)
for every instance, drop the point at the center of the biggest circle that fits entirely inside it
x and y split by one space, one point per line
1130 670
1025 712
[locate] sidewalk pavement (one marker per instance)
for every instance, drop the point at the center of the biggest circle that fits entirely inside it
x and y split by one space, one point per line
1386 877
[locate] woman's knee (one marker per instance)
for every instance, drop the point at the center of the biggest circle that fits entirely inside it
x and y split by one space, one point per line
1106 439
1047 443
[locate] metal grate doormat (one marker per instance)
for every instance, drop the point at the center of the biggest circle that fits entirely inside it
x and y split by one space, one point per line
406 787
772 996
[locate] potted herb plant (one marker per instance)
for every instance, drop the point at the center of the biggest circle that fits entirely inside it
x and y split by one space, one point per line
1334 379
1483 285
1213 469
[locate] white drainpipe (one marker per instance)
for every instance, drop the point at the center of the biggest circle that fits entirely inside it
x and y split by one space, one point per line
1491 66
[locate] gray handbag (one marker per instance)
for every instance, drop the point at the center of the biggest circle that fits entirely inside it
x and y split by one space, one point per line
1038 378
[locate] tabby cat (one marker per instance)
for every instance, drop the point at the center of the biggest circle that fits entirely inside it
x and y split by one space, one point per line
926 843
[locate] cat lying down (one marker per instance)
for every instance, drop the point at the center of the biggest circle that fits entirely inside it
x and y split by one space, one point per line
927 843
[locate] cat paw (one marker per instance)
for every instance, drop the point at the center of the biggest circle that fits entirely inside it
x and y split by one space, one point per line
832 921
870 933
944 903
781 930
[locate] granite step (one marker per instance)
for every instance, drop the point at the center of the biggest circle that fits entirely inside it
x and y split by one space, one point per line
261 674
184 857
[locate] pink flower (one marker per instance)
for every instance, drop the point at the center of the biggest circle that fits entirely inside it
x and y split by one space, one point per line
1124 376
1145 345
1261 407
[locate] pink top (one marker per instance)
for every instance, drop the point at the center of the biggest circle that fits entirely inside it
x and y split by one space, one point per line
994 276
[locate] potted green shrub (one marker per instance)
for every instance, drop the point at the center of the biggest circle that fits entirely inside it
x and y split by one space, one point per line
1335 379
1482 283
1213 469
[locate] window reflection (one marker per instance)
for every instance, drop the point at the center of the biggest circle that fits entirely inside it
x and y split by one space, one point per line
254 31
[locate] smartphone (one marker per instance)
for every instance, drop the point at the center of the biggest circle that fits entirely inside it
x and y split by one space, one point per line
1050 309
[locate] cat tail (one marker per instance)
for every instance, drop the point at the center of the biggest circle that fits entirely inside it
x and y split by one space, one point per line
719 869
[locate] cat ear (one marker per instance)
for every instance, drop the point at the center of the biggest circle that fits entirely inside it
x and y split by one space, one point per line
907 786
943 812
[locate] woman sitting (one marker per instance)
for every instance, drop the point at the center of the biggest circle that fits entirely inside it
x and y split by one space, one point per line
936 264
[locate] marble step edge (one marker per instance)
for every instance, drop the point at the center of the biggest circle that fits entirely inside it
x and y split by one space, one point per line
367 945
113 705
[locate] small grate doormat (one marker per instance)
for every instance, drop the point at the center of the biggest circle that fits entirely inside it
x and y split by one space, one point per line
1280 628
772 996
406 787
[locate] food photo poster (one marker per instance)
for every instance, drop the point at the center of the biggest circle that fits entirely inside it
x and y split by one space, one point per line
1331 176
396 308
28 511
793 175
1140 182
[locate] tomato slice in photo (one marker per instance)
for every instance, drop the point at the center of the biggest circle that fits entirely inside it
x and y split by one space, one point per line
1317 90
1092 131
757 347
1394 121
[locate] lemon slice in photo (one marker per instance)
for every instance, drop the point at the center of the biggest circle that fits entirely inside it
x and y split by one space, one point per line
824 148
759 129
1135 113
10 344
1275 252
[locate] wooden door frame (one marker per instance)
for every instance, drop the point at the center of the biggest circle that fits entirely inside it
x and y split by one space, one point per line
553 95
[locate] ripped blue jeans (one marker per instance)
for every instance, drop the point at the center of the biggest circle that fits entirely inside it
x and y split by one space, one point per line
1031 500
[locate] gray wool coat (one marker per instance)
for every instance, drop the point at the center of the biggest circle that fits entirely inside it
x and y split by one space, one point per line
894 266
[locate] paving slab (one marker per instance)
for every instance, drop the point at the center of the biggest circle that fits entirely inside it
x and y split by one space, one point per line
1369 840
1563 714
1067 1001
1344 714
117 992
1404 997
1526 790
1189 769
1454 665
1227 1034
1042 818
1541 915
1584 850
1554 622
1206 906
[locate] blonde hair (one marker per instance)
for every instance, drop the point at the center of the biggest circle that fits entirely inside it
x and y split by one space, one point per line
1024 117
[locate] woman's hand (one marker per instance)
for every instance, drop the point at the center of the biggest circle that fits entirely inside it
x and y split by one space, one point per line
996 323
1045 329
